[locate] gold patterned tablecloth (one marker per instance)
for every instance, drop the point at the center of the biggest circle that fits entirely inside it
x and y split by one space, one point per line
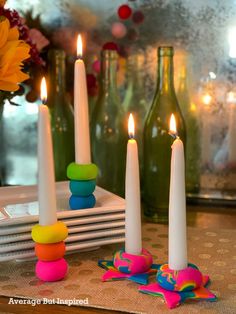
213 251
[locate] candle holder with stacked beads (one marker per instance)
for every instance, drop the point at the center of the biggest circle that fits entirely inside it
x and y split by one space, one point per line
82 185
50 249
49 234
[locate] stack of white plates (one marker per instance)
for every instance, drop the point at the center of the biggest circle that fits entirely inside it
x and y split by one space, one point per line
88 228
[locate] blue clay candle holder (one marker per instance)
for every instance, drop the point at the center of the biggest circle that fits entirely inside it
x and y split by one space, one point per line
82 202
82 188
176 286
136 268
82 185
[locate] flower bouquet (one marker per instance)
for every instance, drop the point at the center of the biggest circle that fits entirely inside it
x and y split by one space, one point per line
19 53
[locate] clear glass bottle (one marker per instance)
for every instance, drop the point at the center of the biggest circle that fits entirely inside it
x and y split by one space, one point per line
108 129
157 141
135 101
62 118
193 148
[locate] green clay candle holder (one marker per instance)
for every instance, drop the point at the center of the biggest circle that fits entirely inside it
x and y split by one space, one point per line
82 185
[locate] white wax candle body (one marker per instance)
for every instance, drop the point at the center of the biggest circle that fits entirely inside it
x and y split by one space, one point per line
232 134
81 116
177 209
133 236
46 176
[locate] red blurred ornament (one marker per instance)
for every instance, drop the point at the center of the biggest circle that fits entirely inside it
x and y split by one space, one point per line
91 80
110 46
138 17
96 66
92 85
124 12
118 30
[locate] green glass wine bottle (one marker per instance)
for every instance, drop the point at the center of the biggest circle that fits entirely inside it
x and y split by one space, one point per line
61 111
108 131
157 141
193 149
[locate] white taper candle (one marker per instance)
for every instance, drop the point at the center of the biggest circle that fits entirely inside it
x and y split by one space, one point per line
177 206
133 235
81 115
46 176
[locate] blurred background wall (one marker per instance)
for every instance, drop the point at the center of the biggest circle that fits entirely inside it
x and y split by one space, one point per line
203 34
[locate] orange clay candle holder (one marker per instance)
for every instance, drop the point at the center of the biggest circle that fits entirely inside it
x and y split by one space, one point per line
50 252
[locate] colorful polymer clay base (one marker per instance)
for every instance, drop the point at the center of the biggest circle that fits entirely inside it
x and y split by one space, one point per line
136 268
177 286
50 249
82 185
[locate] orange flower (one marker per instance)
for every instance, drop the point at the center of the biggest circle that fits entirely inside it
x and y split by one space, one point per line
2 3
12 54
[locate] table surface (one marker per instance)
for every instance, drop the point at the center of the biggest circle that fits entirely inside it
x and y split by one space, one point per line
197 216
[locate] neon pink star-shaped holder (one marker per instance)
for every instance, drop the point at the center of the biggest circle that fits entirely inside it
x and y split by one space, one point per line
136 268
177 286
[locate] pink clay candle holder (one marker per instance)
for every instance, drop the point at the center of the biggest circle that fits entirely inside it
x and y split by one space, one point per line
51 271
176 286
136 268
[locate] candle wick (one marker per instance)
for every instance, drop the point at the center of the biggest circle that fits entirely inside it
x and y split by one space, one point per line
79 57
174 135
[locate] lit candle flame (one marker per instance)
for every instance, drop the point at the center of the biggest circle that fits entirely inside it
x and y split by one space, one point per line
79 47
131 126
206 99
43 90
173 129
231 97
